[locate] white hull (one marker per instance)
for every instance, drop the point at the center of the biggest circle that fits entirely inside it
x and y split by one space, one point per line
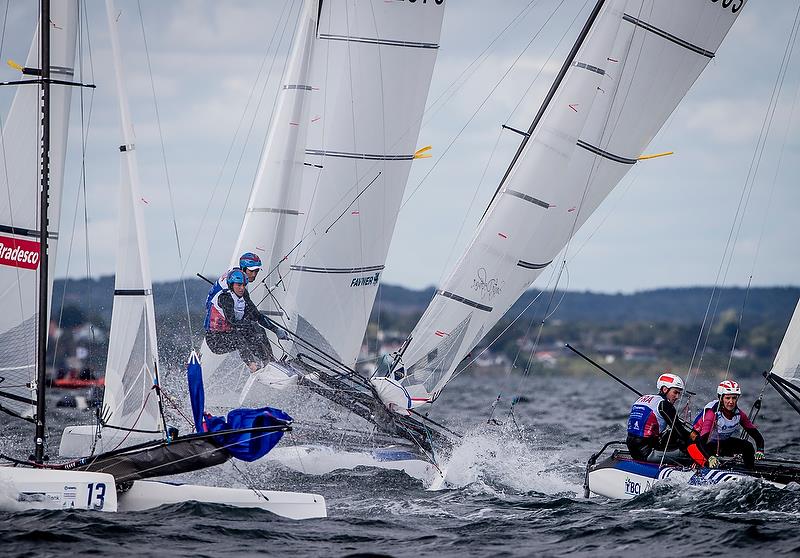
623 480
45 489
144 495
320 460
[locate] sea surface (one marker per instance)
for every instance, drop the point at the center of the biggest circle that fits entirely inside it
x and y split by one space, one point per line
513 489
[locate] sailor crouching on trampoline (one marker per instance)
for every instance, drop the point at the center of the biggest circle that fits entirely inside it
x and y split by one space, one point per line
236 324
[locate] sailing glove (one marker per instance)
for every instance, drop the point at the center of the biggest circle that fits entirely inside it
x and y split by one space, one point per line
759 455
713 462
281 333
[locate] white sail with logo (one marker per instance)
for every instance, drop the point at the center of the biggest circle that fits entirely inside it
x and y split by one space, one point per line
787 361
634 67
371 71
329 187
130 407
19 209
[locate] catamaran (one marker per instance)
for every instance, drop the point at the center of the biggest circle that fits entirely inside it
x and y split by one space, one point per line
618 476
133 441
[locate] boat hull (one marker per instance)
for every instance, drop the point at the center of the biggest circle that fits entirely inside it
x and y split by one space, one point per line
621 477
23 488
319 460
144 495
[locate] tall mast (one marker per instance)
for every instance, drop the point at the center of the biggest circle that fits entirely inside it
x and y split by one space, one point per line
42 329
550 94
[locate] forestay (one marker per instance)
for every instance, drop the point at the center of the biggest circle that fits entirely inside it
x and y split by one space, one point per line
637 63
19 209
371 73
787 361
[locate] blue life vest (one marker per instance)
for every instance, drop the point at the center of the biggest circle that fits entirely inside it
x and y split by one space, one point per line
644 420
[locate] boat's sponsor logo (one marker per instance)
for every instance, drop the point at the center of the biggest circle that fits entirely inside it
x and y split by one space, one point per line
635 488
734 5
632 487
487 288
364 281
16 252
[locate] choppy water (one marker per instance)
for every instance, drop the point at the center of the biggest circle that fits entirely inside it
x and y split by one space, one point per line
509 494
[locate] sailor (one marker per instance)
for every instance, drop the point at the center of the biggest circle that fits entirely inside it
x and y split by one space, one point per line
250 263
236 324
654 430
719 423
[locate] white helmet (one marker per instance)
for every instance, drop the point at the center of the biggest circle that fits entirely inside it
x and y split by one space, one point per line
728 387
668 381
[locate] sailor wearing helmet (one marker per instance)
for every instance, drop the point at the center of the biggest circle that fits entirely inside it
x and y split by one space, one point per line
654 431
720 421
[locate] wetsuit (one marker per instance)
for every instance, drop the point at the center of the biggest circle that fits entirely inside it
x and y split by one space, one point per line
235 324
718 431
650 422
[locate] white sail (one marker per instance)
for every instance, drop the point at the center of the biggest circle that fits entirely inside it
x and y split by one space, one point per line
334 170
371 70
273 210
635 66
19 209
787 361
130 404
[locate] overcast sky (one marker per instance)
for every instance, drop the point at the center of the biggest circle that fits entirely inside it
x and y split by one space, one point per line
666 224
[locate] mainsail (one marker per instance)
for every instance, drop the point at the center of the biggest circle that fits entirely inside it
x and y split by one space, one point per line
333 174
787 361
372 63
19 210
637 62
130 410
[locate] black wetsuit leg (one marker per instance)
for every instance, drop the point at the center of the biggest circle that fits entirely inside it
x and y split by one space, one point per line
732 446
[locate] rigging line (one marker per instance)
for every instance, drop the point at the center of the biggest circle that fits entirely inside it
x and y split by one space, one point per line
81 189
432 110
535 348
449 263
166 173
233 139
371 182
747 187
364 298
769 203
478 109
85 121
251 128
738 325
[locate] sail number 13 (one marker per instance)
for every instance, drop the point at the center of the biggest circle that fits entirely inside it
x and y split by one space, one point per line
97 495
